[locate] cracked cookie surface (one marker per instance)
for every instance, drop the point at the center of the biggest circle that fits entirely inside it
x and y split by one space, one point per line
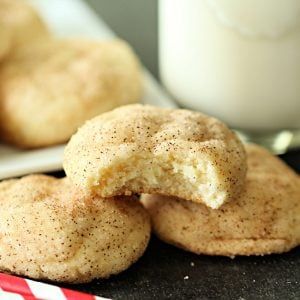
147 149
265 219
51 230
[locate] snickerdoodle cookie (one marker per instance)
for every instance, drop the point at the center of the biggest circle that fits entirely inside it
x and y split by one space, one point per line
264 219
22 21
147 149
50 89
52 230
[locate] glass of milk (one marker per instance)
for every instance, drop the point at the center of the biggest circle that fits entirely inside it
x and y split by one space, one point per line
238 60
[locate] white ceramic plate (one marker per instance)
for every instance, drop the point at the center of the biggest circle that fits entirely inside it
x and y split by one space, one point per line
68 18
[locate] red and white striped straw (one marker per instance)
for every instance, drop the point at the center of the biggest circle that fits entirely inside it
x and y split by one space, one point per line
17 288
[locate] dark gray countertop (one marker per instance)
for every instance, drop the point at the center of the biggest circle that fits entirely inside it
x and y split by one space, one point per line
160 274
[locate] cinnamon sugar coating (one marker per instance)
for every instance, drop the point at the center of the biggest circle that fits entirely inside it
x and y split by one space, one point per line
49 89
147 149
265 219
51 230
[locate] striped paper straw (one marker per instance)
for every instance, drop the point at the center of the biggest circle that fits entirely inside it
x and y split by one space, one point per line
17 288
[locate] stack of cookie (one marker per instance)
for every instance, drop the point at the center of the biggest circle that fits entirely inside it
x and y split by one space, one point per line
50 86
192 172
203 190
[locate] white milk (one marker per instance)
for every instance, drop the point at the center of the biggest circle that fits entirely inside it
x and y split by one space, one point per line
238 60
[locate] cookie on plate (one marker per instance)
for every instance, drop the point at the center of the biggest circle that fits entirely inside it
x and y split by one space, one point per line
22 21
147 149
49 89
265 219
51 230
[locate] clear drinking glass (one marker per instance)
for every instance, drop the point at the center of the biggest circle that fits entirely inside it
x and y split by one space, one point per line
238 61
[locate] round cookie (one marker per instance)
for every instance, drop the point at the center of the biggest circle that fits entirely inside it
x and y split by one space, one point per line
23 22
54 231
50 89
265 219
147 149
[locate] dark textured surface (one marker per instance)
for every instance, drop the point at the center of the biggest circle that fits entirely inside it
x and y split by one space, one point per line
293 159
160 274
161 271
